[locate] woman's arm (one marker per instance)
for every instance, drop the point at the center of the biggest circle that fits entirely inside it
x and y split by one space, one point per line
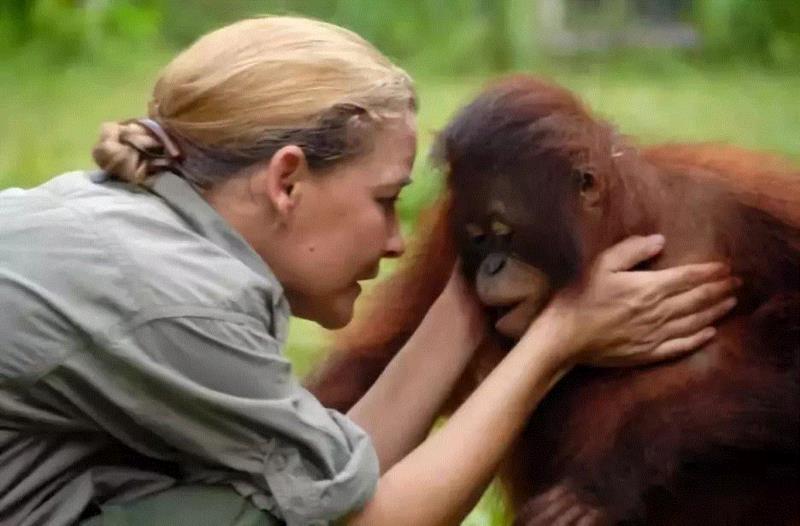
440 481
399 409
615 315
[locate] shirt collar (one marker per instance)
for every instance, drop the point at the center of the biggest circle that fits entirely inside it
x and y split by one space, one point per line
184 199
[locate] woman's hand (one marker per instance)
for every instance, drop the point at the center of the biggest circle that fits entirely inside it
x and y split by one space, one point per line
419 379
622 317
460 310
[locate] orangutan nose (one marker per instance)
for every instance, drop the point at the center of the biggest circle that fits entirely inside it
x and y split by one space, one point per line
493 264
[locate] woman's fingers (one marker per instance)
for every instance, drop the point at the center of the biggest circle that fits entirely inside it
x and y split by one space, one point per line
685 325
698 298
630 252
675 280
669 349
679 346
694 322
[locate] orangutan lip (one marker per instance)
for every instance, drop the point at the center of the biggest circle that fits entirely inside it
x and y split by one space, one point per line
502 310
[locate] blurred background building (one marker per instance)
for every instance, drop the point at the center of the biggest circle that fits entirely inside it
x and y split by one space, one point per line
571 26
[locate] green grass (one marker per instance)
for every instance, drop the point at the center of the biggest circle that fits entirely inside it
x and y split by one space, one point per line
50 116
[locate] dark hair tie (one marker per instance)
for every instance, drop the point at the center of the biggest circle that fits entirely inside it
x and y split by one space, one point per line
170 148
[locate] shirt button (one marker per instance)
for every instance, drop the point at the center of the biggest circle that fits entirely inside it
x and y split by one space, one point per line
325 498
279 461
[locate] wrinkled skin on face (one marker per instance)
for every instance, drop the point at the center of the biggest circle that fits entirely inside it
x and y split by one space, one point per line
490 243
518 246
531 174
516 224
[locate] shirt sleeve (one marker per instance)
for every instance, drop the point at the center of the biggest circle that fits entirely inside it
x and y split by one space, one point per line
212 391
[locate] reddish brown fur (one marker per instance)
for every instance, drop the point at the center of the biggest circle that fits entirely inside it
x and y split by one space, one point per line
711 439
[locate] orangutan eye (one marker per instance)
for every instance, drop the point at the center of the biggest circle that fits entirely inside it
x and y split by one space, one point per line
475 233
500 229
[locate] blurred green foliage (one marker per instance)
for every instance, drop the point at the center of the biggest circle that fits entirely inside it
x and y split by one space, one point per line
456 36
765 31
64 31
474 33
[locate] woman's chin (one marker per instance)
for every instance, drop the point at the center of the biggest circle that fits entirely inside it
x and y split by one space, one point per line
332 311
339 312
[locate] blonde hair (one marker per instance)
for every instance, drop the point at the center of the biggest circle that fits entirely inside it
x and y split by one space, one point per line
241 92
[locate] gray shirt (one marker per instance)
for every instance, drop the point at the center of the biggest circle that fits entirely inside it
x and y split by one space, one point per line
140 348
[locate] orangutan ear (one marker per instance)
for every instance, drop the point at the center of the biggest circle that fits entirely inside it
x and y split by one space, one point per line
590 187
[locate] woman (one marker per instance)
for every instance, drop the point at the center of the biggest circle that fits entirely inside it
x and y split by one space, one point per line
145 307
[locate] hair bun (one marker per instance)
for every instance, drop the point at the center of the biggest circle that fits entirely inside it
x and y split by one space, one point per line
129 151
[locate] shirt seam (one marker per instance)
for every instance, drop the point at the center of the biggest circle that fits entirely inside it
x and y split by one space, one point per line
81 221
177 310
117 251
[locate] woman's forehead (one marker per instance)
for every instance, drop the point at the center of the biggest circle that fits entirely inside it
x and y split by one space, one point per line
394 151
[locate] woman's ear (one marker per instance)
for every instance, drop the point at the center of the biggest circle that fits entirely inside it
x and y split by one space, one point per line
275 183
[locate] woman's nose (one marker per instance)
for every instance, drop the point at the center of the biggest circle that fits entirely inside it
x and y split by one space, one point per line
395 244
